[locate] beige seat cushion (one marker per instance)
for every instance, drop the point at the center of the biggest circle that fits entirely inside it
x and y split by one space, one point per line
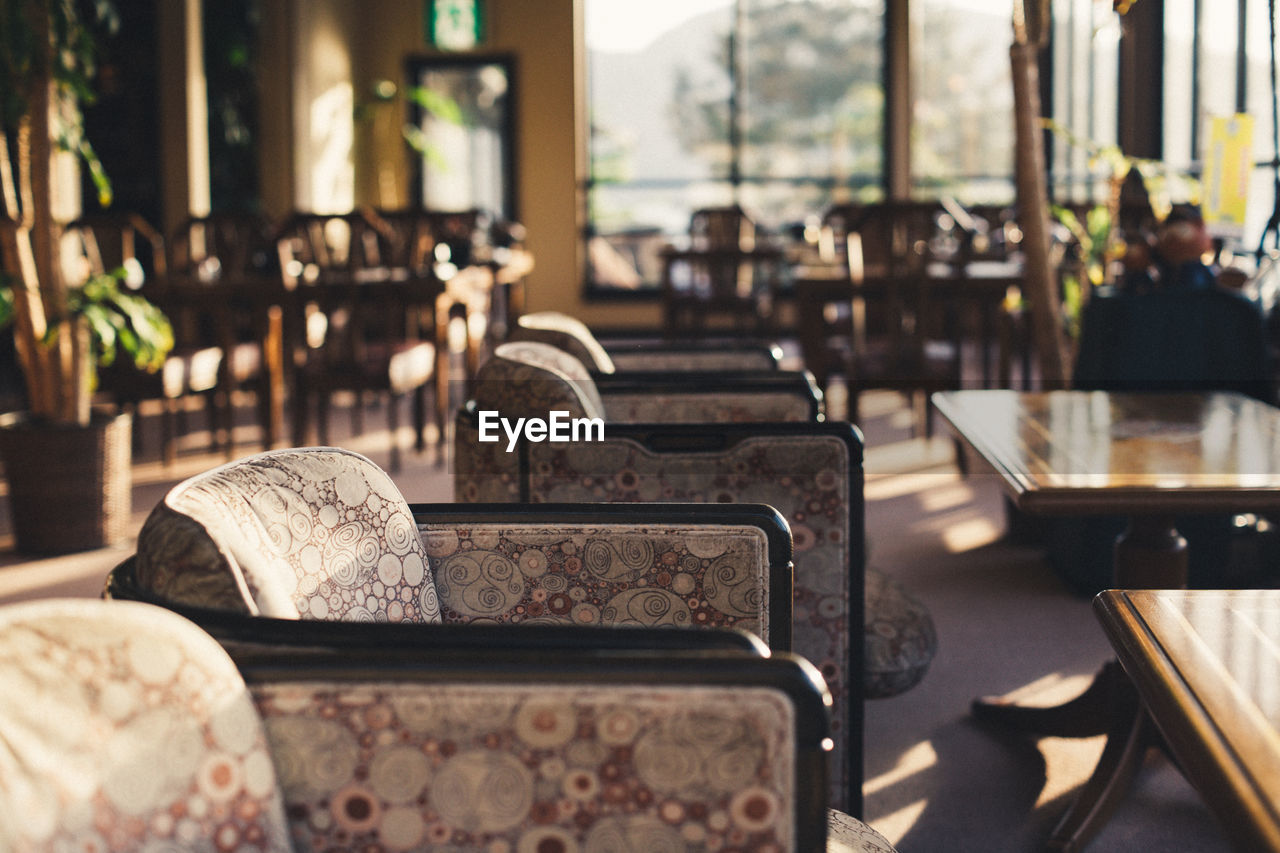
310 533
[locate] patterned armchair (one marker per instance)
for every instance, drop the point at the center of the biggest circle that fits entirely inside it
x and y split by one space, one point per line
130 729
125 728
323 534
810 472
640 354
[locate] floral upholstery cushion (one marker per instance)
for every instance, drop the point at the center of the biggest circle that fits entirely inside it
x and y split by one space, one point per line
311 533
806 478
900 639
601 574
484 472
717 406
126 728
846 834
533 767
531 379
676 359
565 333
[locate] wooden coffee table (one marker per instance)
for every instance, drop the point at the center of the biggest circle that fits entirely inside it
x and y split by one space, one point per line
1206 664
1150 457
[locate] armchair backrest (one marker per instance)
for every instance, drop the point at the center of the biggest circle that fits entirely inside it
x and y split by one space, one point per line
531 379
317 533
674 565
127 728
565 333
529 751
811 473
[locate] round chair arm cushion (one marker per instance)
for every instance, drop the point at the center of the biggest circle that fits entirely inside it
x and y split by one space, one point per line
899 635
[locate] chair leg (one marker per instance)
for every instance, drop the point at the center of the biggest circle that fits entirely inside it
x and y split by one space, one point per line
301 404
323 403
168 437
357 414
393 427
420 418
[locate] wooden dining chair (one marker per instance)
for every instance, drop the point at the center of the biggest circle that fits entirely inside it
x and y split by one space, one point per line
725 275
223 266
353 323
892 331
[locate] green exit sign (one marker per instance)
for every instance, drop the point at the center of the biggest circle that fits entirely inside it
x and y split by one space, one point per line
454 24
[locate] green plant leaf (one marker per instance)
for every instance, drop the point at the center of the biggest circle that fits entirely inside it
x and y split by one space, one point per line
438 105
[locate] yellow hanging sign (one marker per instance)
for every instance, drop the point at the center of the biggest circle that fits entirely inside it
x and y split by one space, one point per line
1228 163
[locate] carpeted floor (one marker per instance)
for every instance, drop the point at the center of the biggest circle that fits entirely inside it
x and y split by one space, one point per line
935 782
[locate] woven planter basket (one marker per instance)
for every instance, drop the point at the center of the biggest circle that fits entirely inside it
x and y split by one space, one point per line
70 487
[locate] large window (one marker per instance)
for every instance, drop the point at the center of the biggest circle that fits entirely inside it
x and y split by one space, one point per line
1085 104
774 104
962 114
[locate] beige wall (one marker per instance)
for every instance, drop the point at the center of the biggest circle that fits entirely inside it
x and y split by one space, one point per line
544 38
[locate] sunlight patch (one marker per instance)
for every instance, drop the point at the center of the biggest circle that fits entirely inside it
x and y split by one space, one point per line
915 760
968 535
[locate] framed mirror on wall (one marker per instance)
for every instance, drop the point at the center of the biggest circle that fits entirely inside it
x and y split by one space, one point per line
463 126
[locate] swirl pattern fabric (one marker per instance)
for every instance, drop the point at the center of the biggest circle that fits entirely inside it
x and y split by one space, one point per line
126 728
540 767
601 574
708 408
312 533
656 360
530 379
806 479
900 638
846 834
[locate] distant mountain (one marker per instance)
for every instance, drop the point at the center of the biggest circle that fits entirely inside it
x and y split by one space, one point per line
642 110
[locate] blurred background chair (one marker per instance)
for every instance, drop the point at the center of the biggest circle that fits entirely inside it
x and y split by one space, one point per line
886 328
353 323
224 268
725 278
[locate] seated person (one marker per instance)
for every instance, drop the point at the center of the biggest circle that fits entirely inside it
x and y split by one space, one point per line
1168 327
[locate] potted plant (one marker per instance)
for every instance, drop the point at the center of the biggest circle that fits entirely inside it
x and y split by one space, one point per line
79 458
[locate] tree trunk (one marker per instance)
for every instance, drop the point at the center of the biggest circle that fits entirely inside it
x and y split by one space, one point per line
1040 286
51 367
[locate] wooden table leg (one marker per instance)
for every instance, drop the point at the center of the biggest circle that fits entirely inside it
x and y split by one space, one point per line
1086 715
1132 733
1150 554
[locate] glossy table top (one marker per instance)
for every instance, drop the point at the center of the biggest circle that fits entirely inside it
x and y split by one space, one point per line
1206 664
1066 452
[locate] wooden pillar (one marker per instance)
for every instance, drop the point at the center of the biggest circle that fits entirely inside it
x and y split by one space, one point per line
184 111
898 98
